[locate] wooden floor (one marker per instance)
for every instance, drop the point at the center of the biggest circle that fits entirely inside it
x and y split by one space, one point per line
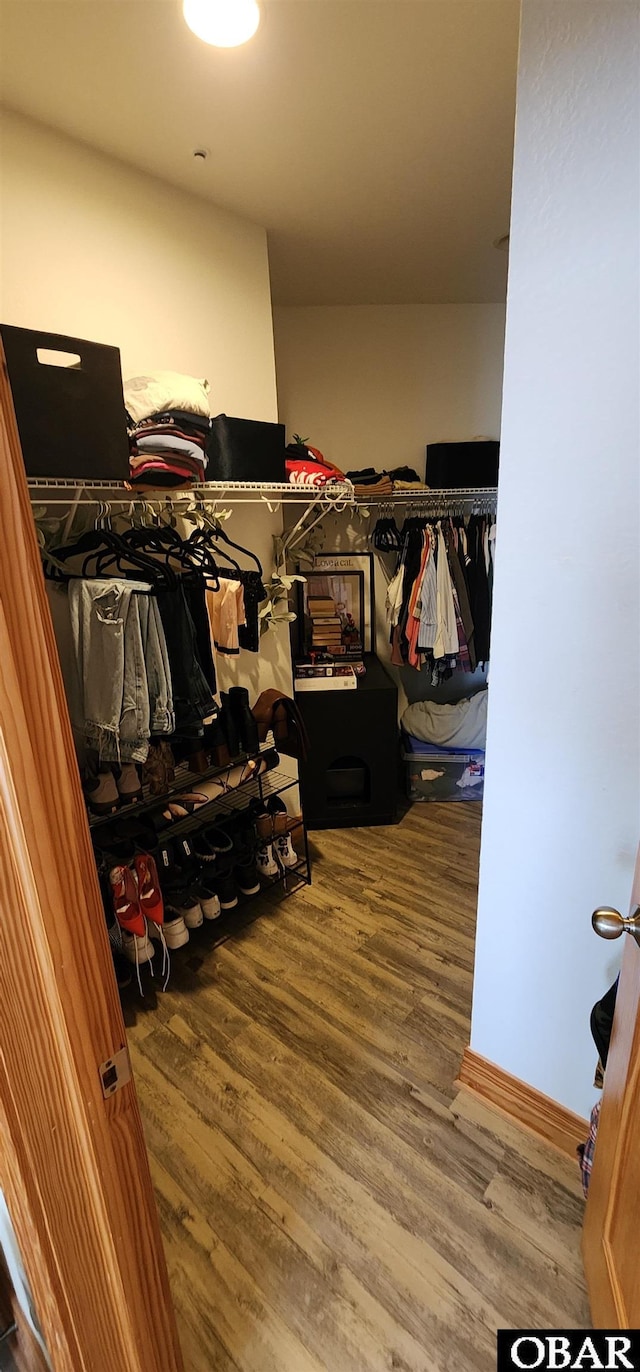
329 1202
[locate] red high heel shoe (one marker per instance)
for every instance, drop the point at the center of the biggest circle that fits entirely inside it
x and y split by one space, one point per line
126 904
136 944
149 893
152 906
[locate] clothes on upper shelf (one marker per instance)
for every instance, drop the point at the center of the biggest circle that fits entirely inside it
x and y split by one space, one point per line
438 602
165 390
368 481
169 428
307 466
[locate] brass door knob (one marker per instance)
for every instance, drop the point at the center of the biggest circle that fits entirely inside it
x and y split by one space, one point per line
609 923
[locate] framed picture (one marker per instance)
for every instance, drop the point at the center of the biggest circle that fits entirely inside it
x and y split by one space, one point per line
331 613
354 562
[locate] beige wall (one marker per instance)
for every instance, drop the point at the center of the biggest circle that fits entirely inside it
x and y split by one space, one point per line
93 249
372 384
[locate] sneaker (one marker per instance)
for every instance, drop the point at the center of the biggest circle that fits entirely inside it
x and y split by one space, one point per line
265 861
285 851
187 904
199 876
174 929
102 793
208 897
128 783
137 947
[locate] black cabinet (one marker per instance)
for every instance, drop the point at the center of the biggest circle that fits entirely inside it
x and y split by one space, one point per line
350 777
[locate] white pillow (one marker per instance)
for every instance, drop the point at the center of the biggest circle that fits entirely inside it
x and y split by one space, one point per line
160 391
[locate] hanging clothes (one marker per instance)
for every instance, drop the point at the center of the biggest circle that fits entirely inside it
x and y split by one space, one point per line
447 642
429 598
438 602
225 607
117 646
479 586
461 592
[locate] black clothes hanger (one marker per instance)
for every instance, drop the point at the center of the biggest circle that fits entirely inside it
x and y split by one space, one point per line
165 540
108 563
201 539
98 544
108 550
386 536
220 533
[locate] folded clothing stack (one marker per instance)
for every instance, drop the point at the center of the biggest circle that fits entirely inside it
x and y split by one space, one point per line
168 424
369 482
307 466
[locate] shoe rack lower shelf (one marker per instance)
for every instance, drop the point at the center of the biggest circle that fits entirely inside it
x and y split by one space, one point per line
249 907
210 934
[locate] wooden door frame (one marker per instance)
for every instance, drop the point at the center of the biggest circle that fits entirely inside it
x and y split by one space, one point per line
73 1166
620 1084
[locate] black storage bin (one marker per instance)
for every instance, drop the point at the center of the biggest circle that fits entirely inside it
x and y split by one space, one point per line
350 776
71 420
462 464
245 450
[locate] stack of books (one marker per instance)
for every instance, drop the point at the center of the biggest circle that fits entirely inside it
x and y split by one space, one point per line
327 628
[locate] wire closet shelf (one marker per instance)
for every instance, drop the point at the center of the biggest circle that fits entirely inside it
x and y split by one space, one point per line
337 496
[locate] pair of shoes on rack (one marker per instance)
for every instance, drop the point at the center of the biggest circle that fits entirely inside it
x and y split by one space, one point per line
229 854
276 851
232 733
113 787
180 807
191 893
139 910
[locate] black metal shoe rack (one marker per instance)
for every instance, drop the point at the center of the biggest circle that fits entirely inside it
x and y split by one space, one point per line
275 782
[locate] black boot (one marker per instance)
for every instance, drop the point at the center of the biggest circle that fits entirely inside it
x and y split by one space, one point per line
245 723
215 740
229 725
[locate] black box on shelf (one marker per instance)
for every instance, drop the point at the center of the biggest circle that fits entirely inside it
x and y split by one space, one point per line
246 450
462 464
67 395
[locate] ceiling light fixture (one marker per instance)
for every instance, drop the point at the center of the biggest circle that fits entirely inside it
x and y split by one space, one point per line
223 23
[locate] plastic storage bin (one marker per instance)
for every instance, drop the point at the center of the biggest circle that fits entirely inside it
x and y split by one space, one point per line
246 450
442 774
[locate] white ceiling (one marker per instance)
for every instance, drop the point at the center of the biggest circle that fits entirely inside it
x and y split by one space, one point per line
373 138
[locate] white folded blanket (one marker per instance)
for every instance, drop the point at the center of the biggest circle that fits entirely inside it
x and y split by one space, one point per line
463 725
